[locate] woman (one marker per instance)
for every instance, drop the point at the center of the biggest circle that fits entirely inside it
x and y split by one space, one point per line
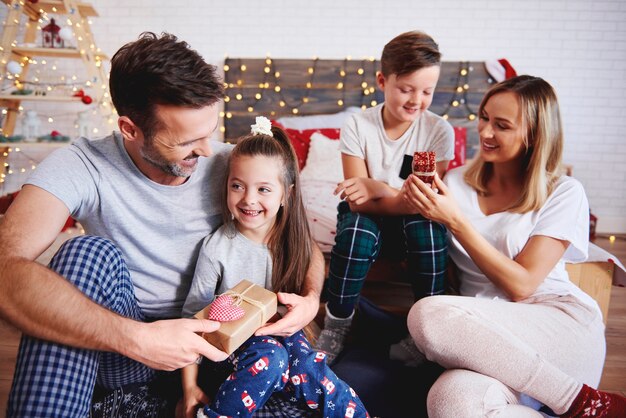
528 334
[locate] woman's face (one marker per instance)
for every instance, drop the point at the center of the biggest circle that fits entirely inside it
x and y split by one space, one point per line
500 129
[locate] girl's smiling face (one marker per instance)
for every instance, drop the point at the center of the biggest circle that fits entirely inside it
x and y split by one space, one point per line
255 194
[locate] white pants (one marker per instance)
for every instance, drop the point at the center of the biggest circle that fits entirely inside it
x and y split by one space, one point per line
497 353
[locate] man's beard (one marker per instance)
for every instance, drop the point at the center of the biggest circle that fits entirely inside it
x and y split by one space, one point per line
149 154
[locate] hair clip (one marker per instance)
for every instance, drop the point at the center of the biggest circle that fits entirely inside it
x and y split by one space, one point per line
263 126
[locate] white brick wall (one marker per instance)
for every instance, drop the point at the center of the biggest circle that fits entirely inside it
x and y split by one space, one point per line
579 46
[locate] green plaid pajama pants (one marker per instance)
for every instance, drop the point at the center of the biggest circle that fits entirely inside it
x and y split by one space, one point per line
359 241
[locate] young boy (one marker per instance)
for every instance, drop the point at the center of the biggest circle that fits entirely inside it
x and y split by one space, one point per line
377 148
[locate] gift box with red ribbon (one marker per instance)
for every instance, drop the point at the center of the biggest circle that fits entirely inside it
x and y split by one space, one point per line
241 311
424 165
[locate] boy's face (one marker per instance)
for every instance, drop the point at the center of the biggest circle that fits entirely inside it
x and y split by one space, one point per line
407 96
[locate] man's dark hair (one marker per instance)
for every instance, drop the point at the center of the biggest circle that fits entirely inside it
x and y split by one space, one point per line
161 70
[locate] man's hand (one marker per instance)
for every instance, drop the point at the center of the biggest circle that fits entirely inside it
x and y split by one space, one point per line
300 312
171 344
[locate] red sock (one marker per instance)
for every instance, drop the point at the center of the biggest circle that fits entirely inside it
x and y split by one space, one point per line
595 403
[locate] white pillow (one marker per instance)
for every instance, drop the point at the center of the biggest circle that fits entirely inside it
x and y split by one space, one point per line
323 161
334 120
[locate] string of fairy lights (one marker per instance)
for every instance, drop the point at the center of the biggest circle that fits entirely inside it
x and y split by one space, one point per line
47 76
459 98
270 82
26 74
21 166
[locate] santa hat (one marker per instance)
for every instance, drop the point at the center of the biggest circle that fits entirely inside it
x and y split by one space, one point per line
500 69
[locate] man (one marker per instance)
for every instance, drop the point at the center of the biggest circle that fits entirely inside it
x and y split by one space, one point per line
146 197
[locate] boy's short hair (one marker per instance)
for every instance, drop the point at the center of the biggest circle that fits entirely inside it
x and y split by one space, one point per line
160 70
409 52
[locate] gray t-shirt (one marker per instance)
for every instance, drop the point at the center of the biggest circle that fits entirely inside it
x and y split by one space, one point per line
158 228
226 259
363 136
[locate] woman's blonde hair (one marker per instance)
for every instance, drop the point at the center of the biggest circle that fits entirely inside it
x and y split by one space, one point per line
542 136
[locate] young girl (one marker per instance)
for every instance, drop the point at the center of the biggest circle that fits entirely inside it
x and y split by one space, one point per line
526 332
266 240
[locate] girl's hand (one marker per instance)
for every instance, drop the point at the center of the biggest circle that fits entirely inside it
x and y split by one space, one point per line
357 190
437 205
300 311
193 398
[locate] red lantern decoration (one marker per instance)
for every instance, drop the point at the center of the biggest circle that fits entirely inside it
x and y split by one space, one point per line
50 36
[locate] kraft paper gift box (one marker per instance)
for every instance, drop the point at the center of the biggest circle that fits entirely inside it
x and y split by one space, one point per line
259 305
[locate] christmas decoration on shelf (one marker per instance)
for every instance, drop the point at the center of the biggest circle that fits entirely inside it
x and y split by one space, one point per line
30 125
66 34
83 97
50 37
54 136
14 67
11 138
37 72
83 124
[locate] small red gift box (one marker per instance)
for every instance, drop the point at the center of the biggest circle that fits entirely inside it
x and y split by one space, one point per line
424 165
259 305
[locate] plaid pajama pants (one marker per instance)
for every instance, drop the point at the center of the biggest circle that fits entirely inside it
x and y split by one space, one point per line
54 380
359 241
289 369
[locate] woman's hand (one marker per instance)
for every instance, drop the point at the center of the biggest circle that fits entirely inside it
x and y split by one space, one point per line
435 203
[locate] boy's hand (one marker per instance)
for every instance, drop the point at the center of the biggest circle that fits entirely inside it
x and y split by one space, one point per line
358 190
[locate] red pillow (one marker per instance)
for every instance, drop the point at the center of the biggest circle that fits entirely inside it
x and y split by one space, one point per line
301 140
460 138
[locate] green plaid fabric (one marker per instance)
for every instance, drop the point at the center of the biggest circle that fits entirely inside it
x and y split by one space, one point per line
359 241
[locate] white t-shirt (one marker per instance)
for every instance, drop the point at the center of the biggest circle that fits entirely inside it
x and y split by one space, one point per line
363 136
564 216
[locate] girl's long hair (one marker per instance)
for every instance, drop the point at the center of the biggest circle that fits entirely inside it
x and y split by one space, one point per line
290 241
543 139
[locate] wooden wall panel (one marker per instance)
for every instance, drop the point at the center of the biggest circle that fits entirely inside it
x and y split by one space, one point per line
318 86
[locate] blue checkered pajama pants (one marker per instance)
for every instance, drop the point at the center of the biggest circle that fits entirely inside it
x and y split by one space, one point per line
288 367
54 380
359 242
